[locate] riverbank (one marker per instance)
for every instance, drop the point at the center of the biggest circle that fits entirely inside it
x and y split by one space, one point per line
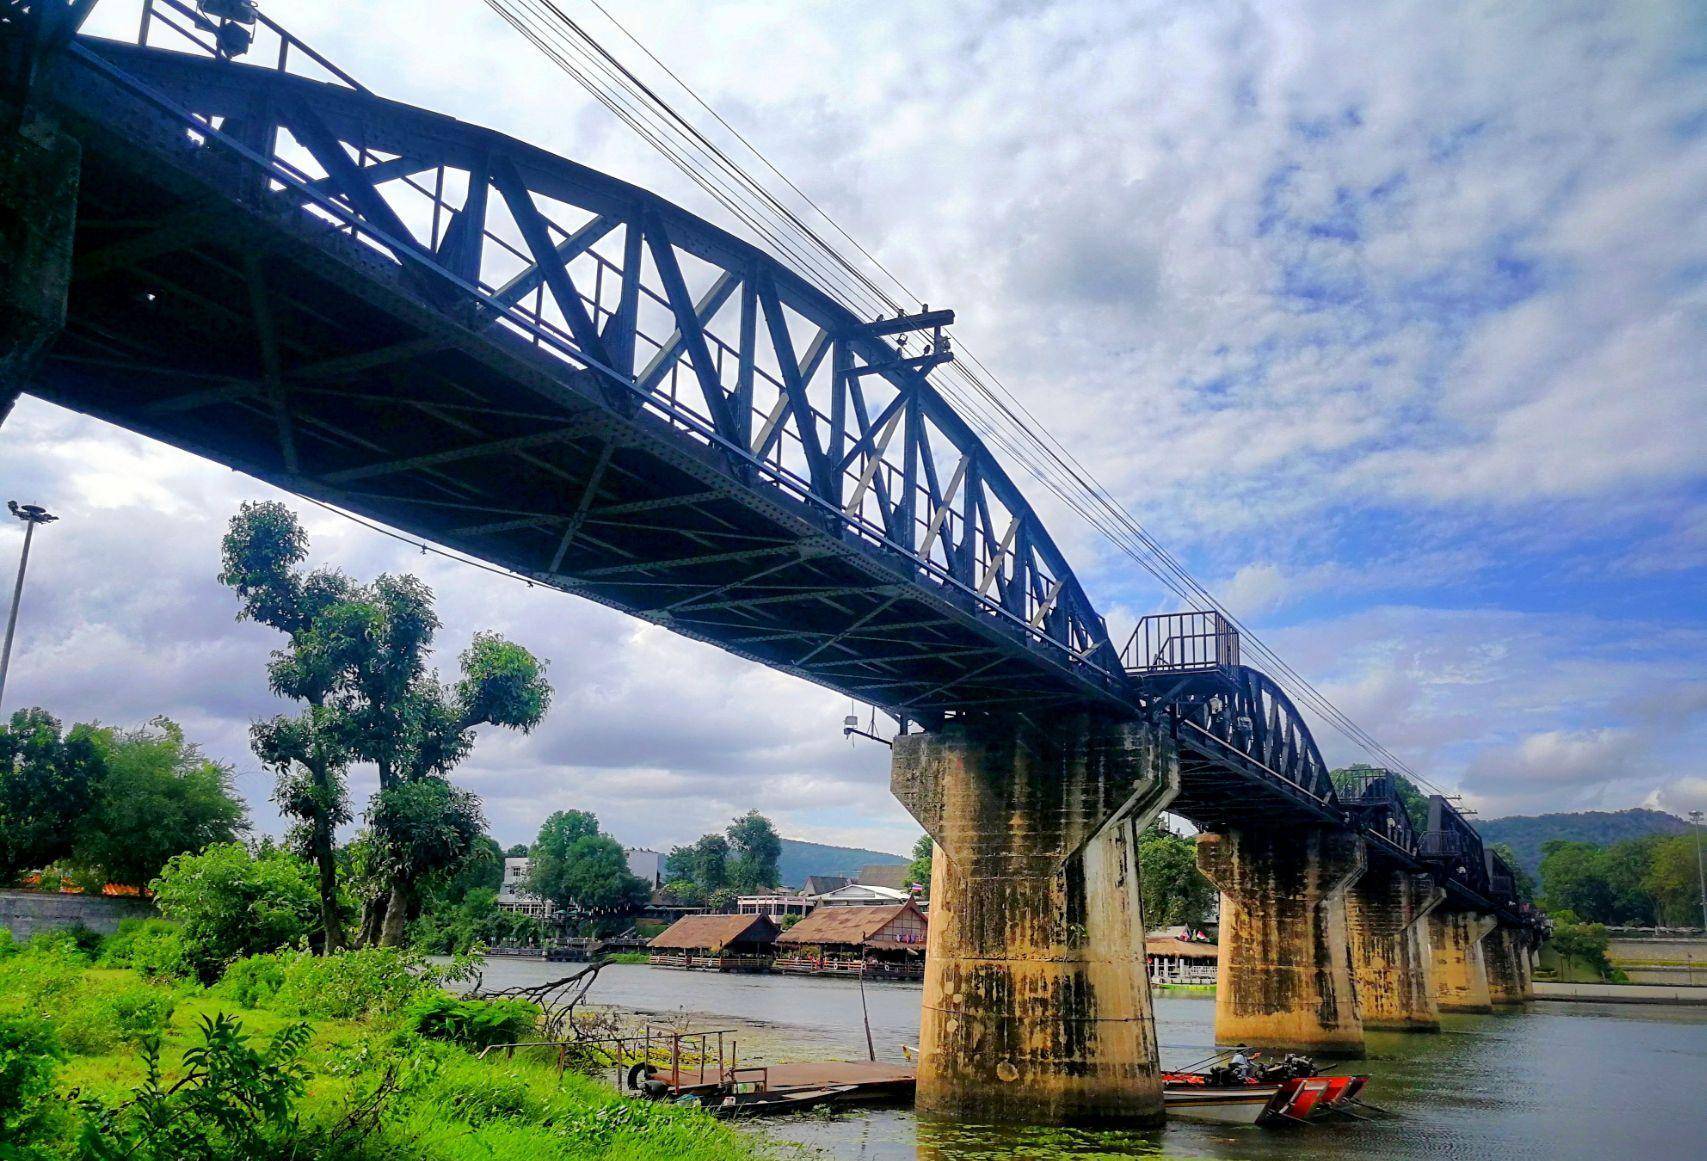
76 1042
1621 993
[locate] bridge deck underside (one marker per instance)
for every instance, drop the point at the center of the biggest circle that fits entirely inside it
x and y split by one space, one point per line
278 346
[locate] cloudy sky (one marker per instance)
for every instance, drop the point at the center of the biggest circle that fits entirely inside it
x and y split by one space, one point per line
1389 319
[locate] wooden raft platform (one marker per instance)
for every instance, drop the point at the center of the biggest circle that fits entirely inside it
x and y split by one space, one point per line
871 1080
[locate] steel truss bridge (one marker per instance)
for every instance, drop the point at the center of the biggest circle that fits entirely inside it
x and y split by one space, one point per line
465 337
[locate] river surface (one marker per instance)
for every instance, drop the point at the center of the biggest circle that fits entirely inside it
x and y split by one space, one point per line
1559 1081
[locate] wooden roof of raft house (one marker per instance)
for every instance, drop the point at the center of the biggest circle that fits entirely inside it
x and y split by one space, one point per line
1190 949
863 926
715 932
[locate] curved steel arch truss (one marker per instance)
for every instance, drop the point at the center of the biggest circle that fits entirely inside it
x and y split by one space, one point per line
663 338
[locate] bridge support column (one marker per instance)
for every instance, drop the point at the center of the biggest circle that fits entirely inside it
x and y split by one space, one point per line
1037 1003
1505 952
1285 976
1386 917
38 212
1460 969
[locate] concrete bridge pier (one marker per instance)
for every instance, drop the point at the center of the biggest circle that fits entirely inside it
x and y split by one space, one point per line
1460 966
39 169
1037 1005
1505 951
1392 966
1285 978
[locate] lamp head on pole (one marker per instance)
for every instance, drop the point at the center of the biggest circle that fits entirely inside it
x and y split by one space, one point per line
31 513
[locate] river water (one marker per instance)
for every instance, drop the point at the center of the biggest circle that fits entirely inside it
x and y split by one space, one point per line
1559 1081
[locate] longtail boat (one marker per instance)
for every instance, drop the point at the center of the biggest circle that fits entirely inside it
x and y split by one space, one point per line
1237 1090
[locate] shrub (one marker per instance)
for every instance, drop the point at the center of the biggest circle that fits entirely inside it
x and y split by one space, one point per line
75 941
29 1053
38 978
8 945
230 903
104 1013
233 1100
347 985
153 947
255 980
472 1023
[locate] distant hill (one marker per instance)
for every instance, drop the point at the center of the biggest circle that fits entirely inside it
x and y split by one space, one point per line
1525 833
801 858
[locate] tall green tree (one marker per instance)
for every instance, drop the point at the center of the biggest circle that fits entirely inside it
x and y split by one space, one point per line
711 862
358 657
48 781
1173 891
160 797
579 868
919 870
757 850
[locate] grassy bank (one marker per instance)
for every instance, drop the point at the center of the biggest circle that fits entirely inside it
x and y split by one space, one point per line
346 1061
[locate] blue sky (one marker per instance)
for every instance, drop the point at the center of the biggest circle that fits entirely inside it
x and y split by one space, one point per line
1389 319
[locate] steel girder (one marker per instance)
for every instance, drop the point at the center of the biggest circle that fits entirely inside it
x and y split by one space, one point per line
474 340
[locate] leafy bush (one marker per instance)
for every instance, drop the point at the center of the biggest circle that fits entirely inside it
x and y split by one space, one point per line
346 985
255 980
153 947
29 1052
78 942
39 977
8 945
472 1023
230 903
233 1100
104 1013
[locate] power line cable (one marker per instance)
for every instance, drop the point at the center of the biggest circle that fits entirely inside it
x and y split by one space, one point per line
1021 435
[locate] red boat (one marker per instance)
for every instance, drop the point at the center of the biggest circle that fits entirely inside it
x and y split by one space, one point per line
1235 1089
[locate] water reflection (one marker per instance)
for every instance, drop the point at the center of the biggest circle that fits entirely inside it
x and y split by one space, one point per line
1561 1081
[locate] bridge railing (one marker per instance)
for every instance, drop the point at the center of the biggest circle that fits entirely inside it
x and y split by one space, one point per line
1181 642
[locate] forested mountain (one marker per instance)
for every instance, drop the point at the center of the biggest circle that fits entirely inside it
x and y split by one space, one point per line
801 858
1525 833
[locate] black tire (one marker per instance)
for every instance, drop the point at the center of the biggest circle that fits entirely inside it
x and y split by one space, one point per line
639 1072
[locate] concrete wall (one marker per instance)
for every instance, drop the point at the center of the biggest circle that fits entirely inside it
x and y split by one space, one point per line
27 912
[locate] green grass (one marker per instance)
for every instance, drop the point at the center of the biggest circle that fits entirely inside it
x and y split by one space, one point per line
448 1103
627 957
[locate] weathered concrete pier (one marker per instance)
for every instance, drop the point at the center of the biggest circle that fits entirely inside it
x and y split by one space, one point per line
1036 1006
1285 977
1460 972
1392 961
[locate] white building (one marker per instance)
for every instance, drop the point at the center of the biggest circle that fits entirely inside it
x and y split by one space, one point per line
647 866
513 894
862 895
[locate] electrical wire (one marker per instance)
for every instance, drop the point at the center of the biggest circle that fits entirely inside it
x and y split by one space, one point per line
978 392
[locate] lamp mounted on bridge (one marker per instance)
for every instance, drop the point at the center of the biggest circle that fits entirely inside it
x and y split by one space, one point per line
235 18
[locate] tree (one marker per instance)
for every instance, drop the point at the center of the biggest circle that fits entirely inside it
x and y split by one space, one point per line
308 754
919 870
711 862
517 851
160 797
230 903
679 865
1173 891
424 830
1578 943
579 868
358 658
46 782
757 850
1673 883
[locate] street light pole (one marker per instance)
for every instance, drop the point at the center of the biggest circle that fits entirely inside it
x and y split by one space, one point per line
31 515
